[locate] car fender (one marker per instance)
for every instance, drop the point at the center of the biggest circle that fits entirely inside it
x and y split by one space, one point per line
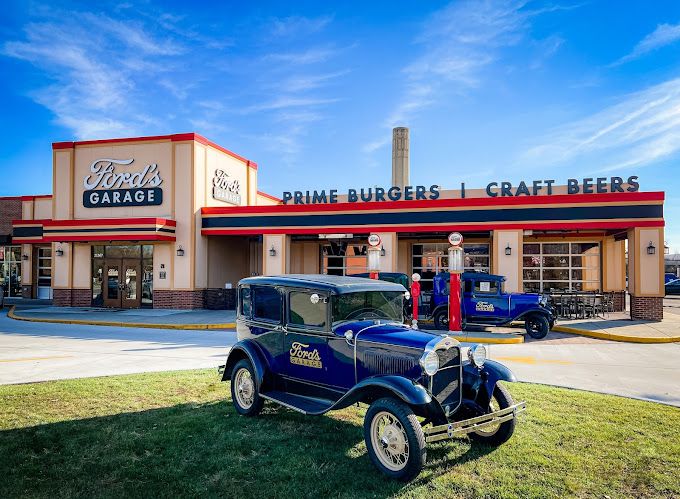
247 349
479 384
533 311
375 387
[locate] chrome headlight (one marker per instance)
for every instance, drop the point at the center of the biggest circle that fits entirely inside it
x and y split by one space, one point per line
543 301
430 363
407 295
477 355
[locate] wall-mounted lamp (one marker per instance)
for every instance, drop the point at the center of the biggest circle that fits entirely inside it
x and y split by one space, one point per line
382 250
651 249
24 257
272 251
180 251
59 251
508 250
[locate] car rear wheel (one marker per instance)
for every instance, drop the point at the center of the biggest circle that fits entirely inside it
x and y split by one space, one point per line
244 394
394 439
441 320
537 326
499 433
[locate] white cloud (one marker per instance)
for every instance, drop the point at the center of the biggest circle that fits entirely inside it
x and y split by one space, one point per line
309 82
309 56
664 34
641 129
299 25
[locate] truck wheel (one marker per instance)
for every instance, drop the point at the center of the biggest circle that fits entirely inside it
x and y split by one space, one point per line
441 320
394 439
244 395
497 434
537 326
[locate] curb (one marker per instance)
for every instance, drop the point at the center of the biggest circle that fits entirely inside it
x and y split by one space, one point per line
228 325
510 339
617 337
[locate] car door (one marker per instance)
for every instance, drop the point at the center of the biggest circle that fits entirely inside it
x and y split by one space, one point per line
305 358
262 306
485 304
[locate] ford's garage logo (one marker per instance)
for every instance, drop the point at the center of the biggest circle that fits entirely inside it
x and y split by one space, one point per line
225 188
105 188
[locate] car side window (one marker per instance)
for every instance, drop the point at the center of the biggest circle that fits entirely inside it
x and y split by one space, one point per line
246 304
266 303
468 286
486 287
307 309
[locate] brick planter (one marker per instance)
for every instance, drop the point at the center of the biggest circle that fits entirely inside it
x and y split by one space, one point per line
220 299
168 298
619 301
71 297
648 308
26 291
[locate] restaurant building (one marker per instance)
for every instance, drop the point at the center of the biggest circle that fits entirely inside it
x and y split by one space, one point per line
175 221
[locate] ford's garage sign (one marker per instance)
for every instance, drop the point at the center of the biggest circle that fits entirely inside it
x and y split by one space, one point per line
106 188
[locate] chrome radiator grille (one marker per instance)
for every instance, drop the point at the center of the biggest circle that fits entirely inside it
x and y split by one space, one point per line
446 383
380 362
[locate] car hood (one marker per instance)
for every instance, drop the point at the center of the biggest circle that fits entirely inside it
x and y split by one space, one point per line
525 297
388 333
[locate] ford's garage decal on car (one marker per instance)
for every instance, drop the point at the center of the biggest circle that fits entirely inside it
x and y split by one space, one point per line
316 343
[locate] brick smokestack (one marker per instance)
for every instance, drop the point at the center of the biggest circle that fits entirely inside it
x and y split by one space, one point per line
400 157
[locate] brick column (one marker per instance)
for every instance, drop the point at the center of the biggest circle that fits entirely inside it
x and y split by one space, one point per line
648 308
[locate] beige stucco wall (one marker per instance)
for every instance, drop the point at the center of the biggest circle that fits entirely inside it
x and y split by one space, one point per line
27 265
305 257
61 266
613 265
42 208
228 260
184 215
27 210
388 263
509 266
648 268
163 262
217 160
404 263
265 201
82 266
63 184
279 263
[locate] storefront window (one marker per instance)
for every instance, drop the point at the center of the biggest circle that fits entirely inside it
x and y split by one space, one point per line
553 267
116 255
432 258
10 270
343 258
44 272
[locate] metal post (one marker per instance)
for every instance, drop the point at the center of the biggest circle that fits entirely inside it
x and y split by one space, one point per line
415 295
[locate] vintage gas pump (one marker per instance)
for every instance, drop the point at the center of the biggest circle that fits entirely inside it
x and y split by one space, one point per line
373 256
456 267
415 296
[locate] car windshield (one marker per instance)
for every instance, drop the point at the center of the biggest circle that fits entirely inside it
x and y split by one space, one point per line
368 305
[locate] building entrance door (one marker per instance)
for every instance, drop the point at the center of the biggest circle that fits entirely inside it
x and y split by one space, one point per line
122 283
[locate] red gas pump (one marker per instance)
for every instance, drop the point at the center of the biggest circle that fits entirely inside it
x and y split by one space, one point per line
415 295
456 267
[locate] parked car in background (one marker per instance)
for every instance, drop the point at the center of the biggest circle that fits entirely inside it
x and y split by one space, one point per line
316 343
668 277
486 303
673 287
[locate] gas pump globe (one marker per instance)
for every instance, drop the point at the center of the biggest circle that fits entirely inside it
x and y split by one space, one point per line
374 255
456 259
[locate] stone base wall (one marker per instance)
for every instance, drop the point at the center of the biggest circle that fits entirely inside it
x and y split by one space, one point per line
71 297
619 301
183 299
220 299
648 308
27 291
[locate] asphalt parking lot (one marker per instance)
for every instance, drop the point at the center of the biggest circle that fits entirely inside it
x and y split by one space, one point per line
32 352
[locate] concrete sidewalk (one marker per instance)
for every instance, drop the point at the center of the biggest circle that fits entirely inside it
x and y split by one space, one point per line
144 318
619 327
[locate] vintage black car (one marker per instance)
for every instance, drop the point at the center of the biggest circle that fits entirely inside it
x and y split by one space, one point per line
316 343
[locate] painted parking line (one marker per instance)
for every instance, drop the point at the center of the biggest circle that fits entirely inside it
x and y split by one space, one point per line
533 360
31 359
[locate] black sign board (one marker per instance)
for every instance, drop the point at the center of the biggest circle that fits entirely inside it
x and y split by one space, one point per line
111 198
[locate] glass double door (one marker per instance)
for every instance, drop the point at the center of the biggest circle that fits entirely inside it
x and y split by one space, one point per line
122 283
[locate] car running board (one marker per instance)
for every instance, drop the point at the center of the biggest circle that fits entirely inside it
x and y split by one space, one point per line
299 403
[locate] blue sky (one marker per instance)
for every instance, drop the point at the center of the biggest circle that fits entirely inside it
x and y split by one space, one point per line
491 90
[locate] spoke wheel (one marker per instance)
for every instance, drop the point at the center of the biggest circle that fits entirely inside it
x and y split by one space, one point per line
499 433
394 439
245 388
244 392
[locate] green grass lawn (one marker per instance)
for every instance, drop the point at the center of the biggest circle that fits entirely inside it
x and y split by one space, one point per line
176 434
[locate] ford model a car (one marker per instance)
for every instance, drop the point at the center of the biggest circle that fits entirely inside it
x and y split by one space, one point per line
319 343
485 302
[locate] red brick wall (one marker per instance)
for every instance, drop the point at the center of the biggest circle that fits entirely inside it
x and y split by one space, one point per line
648 308
71 297
10 209
619 301
168 298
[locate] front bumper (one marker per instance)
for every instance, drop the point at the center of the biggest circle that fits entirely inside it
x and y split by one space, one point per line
466 426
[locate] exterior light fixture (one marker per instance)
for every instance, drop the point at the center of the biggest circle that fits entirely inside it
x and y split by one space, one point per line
382 251
180 251
651 249
59 251
508 250
272 251
24 257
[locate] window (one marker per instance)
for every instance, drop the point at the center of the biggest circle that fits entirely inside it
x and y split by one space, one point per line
486 287
431 258
246 307
343 258
304 312
266 303
369 305
560 266
10 270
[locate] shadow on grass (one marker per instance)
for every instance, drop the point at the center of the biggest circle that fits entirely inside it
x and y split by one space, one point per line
201 449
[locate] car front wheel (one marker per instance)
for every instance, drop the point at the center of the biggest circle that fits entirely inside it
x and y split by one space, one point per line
244 394
441 320
537 326
394 439
499 433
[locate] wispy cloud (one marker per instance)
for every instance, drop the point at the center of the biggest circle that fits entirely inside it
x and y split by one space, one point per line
641 129
309 56
299 25
664 34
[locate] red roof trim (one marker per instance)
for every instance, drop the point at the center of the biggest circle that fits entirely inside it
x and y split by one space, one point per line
98 221
177 137
36 196
441 203
109 237
274 198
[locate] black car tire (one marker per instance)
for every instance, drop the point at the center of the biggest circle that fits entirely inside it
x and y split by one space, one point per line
407 435
501 433
441 319
537 326
247 392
